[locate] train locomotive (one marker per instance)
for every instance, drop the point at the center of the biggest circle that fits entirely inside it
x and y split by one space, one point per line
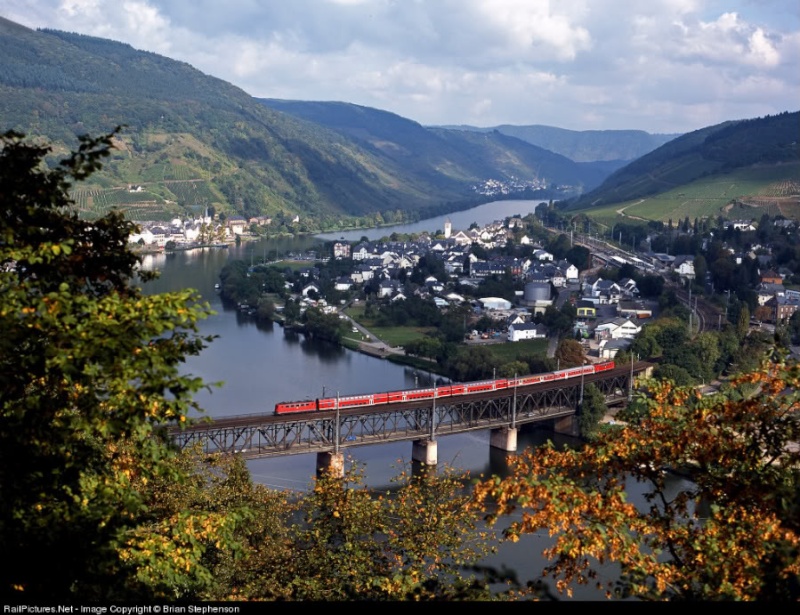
448 390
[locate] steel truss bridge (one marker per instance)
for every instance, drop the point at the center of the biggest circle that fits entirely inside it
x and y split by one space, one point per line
267 435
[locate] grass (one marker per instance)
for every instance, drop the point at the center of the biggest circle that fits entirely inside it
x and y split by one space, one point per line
761 189
512 351
399 336
393 336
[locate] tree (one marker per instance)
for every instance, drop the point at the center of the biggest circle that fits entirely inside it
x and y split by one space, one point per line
591 411
413 544
730 532
569 353
679 375
645 344
579 256
89 375
471 363
743 321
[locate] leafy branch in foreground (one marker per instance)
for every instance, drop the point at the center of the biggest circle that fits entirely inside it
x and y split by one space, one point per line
729 529
88 374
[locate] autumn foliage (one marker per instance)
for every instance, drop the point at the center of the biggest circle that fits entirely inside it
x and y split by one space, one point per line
726 527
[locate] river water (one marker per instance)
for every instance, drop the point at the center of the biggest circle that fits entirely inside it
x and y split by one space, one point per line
260 365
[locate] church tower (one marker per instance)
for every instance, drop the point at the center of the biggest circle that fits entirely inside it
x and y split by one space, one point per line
448 228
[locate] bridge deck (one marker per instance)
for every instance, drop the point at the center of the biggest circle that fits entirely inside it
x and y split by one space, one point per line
268 435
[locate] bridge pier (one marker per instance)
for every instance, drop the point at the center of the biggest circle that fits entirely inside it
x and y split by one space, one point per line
504 439
330 462
425 452
567 425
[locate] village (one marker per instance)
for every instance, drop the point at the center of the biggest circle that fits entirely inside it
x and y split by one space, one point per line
532 271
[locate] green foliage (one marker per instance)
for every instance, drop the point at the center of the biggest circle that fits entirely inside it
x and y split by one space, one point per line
197 141
471 363
414 542
591 410
569 353
676 374
89 374
323 326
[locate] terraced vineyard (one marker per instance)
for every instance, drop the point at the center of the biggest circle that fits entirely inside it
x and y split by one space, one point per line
93 203
746 193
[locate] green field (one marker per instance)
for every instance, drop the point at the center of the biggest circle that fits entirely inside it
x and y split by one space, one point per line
504 352
755 190
512 351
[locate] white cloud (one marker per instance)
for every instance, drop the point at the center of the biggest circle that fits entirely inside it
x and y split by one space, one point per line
660 65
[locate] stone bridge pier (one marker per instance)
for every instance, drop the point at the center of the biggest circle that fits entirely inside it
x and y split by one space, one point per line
422 451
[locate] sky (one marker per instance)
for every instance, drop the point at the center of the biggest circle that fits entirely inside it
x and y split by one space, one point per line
662 66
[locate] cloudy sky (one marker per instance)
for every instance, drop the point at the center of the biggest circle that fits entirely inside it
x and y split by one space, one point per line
663 66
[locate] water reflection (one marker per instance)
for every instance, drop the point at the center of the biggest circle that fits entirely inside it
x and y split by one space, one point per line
325 351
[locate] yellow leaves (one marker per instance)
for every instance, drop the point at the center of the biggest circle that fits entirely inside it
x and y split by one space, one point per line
578 497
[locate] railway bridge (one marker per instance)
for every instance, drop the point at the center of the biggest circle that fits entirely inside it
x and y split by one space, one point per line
328 433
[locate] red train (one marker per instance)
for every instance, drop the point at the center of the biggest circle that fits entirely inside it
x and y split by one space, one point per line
449 390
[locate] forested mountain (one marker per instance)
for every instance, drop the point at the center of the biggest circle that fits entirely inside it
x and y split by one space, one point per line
612 146
467 153
771 140
192 141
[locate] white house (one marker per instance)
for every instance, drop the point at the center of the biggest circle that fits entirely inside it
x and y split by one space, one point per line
360 252
684 266
462 239
609 349
618 328
343 283
237 225
570 271
526 331
145 235
388 287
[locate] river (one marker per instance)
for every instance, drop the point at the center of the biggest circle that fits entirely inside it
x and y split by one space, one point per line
461 221
262 364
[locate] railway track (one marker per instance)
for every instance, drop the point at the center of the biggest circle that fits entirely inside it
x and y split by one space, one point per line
707 317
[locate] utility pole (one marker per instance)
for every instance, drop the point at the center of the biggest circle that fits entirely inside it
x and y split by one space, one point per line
514 406
630 382
433 414
336 428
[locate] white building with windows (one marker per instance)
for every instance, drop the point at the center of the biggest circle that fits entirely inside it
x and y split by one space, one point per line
526 331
